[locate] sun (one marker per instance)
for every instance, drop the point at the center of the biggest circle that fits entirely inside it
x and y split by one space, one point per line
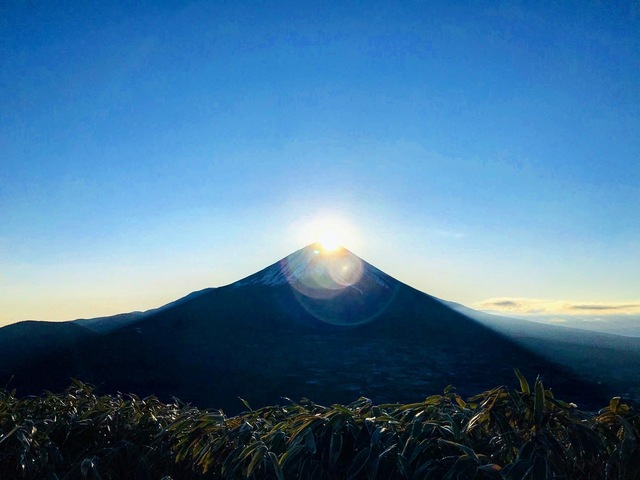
329 233
330 240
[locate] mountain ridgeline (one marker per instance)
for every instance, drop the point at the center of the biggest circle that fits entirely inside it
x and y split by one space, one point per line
322 325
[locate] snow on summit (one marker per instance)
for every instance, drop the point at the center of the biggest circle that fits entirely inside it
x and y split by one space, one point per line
318 269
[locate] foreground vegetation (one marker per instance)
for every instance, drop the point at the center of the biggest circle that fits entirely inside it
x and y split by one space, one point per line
502 433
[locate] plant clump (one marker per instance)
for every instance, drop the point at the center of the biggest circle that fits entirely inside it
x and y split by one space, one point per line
503 433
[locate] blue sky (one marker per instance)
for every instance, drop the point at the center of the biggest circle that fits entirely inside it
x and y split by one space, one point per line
476 151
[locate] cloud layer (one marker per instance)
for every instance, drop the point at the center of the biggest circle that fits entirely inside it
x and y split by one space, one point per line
537 306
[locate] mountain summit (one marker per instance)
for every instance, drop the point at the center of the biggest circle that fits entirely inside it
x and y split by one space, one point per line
315 268
336 286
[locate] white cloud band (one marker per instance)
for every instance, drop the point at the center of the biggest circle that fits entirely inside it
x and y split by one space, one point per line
537 306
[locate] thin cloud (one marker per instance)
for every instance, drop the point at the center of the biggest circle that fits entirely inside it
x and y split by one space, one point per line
506 304
537 306
604 307
514 305
450 234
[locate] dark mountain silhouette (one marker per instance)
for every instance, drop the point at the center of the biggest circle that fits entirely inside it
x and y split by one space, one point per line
21 341
322 325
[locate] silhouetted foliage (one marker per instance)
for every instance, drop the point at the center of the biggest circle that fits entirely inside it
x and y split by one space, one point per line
502 433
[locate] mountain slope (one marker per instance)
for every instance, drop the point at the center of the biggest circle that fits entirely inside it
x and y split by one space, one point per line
114 322
601 357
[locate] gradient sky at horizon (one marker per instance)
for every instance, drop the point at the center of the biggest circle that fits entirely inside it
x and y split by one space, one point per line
476 151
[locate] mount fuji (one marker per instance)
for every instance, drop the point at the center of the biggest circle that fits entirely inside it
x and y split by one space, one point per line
317 324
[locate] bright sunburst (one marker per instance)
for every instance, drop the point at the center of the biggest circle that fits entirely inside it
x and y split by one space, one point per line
330 240
329 232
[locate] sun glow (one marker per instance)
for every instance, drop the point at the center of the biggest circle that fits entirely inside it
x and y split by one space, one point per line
330 240
329 232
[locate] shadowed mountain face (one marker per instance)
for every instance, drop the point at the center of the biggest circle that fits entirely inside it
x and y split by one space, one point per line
601 358
327 326
20 341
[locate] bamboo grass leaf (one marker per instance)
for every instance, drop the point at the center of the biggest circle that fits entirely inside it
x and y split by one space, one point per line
255 461
358 463
538 409
276 466
524 385
335 448
469 451
246 404
310 440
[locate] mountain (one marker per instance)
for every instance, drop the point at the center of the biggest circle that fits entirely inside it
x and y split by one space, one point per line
601 357
323 325
110 323
21 342
114 322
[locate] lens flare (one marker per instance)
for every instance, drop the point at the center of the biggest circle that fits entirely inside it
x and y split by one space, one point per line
322 273
345 270
334 287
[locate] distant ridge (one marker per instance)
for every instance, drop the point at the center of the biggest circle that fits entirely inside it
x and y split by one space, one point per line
114 322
